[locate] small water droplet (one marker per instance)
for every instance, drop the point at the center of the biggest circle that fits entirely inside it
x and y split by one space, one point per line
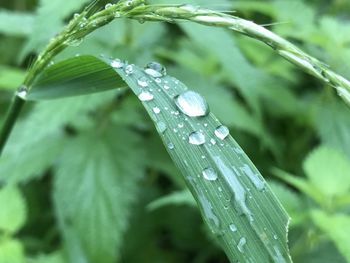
209 174
241 244
117 63
129 69
222 132
171 146
156 110
233 227
76 15
117 14
74 42
275 236
146 96
108 5
161 127
158 80
212 141
180 125
22 92
196 138
166 87
192 104
142 82
155 70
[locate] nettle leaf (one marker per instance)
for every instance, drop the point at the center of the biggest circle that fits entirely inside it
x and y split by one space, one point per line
328 170
183 197
95 185
37 153
75 76
13 209
234 199
337 227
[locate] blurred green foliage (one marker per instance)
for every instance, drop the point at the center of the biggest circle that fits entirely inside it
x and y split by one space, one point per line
87 179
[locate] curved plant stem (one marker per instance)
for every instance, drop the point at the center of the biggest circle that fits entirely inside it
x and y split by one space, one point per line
10 120
80 26
171 13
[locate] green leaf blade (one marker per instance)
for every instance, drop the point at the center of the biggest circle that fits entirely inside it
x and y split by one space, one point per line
235 197
76 76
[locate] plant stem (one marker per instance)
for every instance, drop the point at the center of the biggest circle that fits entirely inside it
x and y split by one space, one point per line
171 13
10 120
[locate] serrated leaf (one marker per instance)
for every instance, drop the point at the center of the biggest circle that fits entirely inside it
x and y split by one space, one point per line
13 209
329 171
11 251
337 227
95 185
72 77
37 153
239 196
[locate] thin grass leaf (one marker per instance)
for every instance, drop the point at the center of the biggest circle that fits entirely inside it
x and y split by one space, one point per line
75 76
235 201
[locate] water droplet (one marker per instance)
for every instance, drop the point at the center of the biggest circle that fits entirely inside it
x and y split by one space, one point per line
166 87
196 138
74 42
212 141
161 127
142 82
156 110
155 70
222 132
158 80
171 146
117 63
275 236
180 125
76 15
233 227
146 96
209 174
129 69
343 93
192 104
108 5
22 92
241 244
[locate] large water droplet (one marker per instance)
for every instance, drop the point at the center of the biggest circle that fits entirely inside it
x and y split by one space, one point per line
192 104
146 96
117 63
155 70
196 138
142 82
233 227
222 132
209 174
241 244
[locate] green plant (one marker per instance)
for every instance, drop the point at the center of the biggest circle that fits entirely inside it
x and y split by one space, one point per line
86 74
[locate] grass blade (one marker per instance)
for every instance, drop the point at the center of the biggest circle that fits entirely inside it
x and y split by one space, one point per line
235 201
72 77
